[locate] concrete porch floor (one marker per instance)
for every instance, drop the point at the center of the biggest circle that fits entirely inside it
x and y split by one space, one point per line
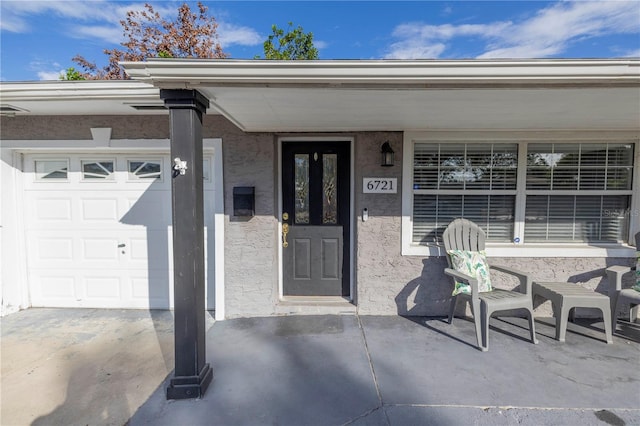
111 367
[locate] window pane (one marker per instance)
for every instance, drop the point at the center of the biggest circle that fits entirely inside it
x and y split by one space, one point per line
465 166
576 218
426 164
301 165
51 169
144 170
504 166
587 166
97 170
329 189
432 214
454 170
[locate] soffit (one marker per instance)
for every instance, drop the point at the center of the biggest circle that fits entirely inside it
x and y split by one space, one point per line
333 109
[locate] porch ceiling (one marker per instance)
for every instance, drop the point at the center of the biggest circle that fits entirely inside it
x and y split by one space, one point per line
335 109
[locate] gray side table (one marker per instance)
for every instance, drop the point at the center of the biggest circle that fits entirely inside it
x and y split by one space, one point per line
566 296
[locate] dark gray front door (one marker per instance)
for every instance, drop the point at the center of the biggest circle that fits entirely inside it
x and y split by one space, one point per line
315 218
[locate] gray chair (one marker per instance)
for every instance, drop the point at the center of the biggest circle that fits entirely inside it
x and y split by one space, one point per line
619 296
462 234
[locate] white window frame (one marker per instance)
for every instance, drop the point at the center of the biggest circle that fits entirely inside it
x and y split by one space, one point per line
521 137
111 178
142 159
43 179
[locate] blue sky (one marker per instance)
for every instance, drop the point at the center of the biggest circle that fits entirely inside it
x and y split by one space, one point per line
39 38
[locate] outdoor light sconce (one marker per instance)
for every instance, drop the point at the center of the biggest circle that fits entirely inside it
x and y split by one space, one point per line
387 155
179 167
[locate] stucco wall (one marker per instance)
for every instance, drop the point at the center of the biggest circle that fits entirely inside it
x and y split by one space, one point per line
386 282
389 283
79 128
251 269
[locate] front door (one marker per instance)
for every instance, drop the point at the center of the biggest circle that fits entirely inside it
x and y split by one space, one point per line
315 218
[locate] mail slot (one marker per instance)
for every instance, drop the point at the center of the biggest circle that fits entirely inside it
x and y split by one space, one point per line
244 200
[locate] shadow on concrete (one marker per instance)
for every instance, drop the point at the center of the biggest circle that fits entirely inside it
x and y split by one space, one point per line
299 370
100 365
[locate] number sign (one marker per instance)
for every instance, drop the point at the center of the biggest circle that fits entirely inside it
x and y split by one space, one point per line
379 185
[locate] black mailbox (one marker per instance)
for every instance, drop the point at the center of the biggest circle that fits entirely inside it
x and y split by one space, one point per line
244 201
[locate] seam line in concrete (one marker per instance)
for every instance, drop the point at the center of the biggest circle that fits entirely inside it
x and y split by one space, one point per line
509 407
373 370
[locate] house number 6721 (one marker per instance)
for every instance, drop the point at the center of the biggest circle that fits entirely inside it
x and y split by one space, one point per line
380 185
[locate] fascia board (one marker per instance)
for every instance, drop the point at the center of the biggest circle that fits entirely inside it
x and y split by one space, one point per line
180 73
105 89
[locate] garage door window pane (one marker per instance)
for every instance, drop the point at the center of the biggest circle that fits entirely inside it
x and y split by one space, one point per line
144 170
52 169
100 170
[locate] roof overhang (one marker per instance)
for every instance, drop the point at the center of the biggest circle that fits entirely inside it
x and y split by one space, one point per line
323 96
88 97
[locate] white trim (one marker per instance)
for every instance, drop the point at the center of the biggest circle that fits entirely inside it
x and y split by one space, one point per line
518 250
186 73
351 141
121 90
219 228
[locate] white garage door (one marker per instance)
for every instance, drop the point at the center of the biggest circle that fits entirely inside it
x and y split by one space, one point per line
98 230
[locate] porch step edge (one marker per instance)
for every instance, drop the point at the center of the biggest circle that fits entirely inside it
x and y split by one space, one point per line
315 306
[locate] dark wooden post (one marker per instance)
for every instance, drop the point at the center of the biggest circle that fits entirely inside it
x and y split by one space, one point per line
192 373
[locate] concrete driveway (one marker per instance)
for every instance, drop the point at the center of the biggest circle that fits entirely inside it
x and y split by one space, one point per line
111 367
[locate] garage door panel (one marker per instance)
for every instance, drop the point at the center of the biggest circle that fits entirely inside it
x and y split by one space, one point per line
54 249
100 249
138 250
99 209
152 291
54 288
58 287
151 210
52 209
100 287
102 243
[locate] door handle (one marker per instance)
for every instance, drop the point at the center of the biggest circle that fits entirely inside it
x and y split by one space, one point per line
285 231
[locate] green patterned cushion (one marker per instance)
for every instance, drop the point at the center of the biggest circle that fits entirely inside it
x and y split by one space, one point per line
474 264
637 286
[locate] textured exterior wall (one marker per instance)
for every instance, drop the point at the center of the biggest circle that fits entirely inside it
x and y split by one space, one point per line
251 268
386 282
79 128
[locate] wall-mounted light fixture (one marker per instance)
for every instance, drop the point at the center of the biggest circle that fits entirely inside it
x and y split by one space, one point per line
387 155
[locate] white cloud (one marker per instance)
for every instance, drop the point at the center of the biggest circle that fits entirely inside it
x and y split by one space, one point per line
15 14
551 31
415 50
230 34
101 19
632 54
50 75
46 69
109 34
320 44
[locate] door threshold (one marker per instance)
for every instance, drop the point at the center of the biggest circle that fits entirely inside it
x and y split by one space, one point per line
315 305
